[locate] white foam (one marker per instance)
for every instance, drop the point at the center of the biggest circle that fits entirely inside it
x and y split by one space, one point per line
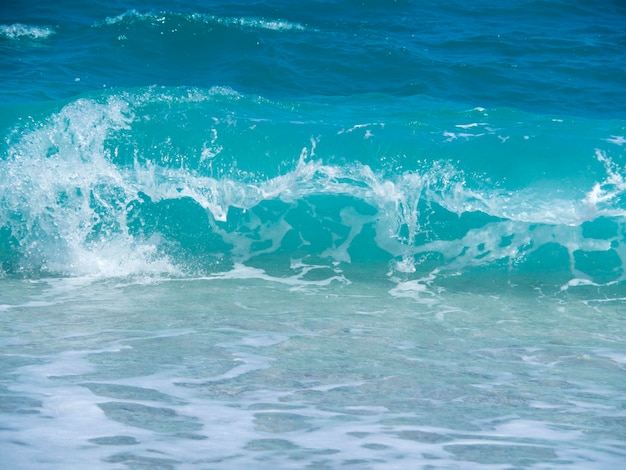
532 429
362 126
598 200
417 290
260 23
248 363
66 159
616 357
297 280
617 140
471 125
243 22
20 31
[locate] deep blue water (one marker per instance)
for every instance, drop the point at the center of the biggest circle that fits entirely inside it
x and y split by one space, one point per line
214 165
546 57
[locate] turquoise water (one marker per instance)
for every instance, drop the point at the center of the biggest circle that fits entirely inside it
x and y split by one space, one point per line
272 235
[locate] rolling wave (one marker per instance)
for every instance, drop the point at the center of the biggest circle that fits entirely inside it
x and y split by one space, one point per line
177 181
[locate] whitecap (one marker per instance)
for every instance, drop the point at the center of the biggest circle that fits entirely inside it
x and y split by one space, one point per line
261 23
244 22
19 31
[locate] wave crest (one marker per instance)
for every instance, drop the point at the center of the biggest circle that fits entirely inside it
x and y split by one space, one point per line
90 189
19 31
163 18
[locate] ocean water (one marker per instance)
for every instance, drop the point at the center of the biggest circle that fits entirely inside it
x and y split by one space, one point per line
266 234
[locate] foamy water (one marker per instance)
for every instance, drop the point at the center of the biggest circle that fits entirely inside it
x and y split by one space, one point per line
352 377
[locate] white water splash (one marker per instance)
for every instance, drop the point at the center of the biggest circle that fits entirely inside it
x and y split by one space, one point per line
25 31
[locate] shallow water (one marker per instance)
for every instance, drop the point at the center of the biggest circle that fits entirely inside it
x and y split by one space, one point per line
234 373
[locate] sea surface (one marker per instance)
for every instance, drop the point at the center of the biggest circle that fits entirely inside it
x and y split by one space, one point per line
270 234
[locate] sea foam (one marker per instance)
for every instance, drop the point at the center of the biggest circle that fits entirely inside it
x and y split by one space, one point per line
166 17
24 31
